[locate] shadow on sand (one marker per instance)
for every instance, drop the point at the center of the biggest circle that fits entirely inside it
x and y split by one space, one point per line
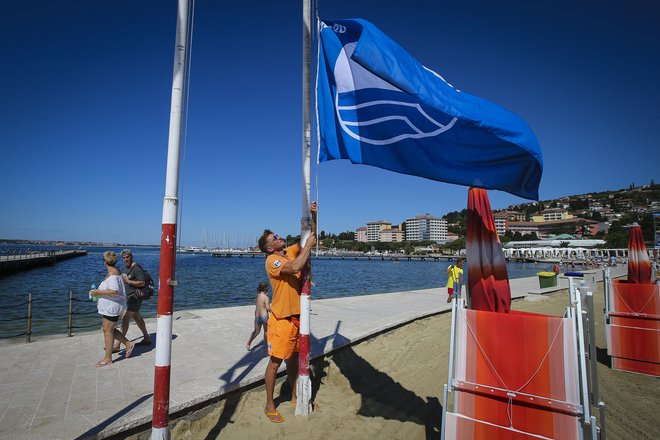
381 395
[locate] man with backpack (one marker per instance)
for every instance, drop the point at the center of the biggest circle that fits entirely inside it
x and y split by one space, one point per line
134 278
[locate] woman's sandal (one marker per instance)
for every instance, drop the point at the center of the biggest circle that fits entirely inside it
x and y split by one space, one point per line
129 350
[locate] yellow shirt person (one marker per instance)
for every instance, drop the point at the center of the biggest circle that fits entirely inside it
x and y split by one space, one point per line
454 276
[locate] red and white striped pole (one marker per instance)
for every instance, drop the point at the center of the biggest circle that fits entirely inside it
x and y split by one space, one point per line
304 385
166 281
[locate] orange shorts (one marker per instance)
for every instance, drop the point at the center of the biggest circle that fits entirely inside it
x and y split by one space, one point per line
283 337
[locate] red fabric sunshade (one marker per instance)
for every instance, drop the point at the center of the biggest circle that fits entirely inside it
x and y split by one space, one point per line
639 264
488 279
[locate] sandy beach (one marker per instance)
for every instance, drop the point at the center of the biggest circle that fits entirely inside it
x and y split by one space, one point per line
390 386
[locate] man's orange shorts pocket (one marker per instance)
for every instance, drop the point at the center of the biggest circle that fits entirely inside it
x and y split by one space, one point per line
283 338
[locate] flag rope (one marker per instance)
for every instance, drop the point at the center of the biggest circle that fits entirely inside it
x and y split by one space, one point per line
182 168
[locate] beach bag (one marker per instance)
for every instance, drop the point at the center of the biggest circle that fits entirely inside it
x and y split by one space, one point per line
146 292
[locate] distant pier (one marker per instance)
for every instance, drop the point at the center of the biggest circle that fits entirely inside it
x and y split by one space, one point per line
16 263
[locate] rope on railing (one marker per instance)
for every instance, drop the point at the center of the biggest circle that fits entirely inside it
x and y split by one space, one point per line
28 317
72 312
17 305
28 332
15 336
20 318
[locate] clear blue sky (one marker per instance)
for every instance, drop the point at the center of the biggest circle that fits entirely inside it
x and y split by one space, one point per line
84 110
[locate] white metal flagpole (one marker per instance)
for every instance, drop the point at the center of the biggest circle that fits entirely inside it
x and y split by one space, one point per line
166 281
304 385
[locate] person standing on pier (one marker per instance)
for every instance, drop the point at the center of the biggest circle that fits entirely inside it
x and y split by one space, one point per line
454 278
283 266
134 278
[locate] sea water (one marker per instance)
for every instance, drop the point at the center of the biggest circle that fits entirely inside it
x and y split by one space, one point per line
203 282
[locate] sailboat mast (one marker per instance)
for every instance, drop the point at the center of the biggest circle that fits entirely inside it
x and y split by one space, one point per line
166 281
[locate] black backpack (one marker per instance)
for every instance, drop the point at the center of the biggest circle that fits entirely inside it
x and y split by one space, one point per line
146 292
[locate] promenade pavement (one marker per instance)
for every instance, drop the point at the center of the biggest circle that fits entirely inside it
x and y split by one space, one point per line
50 389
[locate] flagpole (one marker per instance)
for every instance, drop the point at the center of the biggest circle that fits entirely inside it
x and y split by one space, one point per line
166 281
304 385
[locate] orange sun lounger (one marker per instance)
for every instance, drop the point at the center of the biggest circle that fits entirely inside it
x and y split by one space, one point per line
516 375
632 326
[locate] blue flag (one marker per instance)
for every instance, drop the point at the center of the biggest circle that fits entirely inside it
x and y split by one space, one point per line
378 106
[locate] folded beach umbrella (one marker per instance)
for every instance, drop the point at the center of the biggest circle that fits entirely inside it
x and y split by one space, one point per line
639 265
488 279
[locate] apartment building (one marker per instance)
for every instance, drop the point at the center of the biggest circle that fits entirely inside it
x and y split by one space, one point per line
552 214
374 228
391 234
501 222
426 227
548 228
361 234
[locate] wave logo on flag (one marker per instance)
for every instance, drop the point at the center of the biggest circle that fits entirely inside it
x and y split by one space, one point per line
371 110
378 106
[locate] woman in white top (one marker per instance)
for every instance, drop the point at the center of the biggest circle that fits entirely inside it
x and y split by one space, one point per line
111 306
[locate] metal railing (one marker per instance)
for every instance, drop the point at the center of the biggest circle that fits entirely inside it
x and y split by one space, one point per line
73 312
28 332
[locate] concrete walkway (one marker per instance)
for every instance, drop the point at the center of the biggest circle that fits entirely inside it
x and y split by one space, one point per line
50 389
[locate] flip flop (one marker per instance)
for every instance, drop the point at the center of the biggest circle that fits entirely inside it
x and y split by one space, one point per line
142 343
102 364
129 350
275 417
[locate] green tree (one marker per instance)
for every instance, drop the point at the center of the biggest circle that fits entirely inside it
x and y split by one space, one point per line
578 204
530 237
455 245
346 236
